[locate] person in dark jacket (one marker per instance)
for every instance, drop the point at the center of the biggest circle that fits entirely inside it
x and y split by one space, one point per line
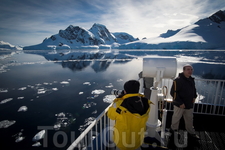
184 94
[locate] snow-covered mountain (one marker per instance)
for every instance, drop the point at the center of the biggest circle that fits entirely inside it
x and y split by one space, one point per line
208 33
8 46
73 37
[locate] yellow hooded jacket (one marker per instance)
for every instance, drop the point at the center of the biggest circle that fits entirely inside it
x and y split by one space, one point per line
129 127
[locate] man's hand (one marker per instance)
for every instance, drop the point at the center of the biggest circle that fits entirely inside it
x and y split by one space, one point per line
182 106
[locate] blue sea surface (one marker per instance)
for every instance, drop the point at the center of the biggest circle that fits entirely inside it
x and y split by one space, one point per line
66 95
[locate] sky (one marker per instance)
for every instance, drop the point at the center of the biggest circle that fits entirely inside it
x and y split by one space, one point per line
29 22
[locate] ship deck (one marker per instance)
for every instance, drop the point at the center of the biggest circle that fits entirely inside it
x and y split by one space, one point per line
210 129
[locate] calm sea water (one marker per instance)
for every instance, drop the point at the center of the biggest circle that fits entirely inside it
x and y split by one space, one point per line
38 91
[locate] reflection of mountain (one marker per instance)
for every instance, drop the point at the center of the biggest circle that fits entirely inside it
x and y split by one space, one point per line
101 65
75 65
78 60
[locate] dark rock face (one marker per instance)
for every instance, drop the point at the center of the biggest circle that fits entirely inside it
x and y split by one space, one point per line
218 17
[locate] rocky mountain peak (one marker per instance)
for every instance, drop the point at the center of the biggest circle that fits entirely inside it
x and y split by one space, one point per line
218 16
102 33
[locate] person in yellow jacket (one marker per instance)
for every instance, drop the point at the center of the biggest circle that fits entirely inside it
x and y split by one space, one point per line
130 112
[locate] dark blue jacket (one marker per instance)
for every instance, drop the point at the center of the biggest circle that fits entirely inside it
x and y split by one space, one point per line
183 91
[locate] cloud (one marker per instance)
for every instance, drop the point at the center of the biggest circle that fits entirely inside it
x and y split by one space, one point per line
29 22
140 18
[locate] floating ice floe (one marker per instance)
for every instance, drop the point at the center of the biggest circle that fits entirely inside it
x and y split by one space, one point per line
22 88
3 90
37 144
92 97
87 122
22 108
64 82
6 100
54 89
63 120
86 83
6 123
41 91
19 139
120 80
109 98
39 135
20 97
88 105
98 92
109 86
81 93
94 112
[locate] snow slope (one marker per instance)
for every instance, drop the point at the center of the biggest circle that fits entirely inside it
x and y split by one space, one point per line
208 33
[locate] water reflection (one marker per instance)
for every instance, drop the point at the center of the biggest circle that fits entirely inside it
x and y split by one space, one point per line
78 60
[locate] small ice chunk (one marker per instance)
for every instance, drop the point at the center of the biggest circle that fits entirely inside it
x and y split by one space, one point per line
94 112
6 100
19 139
39 135
109 98
41 91
54 89
20 97
62 114
22 88
37 144
81 93
6 123
22 108
64 82
87 122
119 80
3 90
98 92
86 83
57 126
109 86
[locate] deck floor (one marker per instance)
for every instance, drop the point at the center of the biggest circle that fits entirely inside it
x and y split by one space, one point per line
210 129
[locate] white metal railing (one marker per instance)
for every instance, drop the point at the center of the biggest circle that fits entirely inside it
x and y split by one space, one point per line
210 100
90 139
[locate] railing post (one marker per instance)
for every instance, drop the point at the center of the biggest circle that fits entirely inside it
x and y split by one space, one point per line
216 97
